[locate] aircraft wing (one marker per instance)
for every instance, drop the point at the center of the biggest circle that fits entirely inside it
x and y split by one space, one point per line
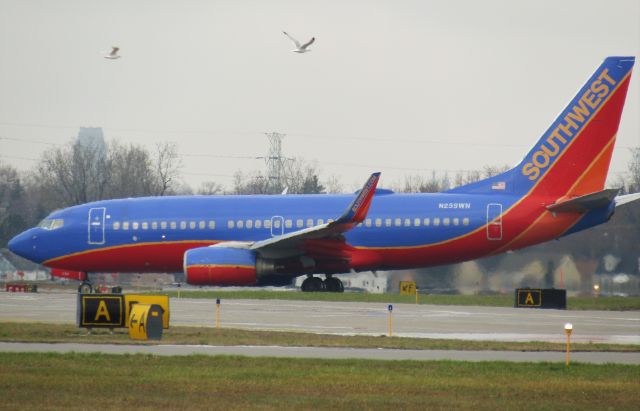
292 243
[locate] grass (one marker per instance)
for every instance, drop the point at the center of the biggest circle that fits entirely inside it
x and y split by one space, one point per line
58 333
500 300
99 381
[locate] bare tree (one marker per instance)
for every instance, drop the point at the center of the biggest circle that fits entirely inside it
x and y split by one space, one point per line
210 188
633 185
302 178
13 207
420 184
252 183
168 165
490 171
132 171
333 185
77 173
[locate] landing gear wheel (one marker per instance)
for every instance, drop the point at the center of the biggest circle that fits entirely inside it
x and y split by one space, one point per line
85 288
333 285
312 284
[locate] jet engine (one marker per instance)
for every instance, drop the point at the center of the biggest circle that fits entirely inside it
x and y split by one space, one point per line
224 266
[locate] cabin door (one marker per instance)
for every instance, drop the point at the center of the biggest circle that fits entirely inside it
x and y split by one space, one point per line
494 221
277 226
96 225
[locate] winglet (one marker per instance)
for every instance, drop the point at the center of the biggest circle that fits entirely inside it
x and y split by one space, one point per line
359 208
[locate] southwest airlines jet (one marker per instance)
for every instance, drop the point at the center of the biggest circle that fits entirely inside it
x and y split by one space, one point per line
557 190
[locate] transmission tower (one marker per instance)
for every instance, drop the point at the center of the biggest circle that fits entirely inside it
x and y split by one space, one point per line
275 162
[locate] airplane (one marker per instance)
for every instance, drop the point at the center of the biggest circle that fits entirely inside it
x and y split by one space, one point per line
556 190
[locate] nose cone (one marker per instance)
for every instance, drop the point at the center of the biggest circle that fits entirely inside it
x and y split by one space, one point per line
23 245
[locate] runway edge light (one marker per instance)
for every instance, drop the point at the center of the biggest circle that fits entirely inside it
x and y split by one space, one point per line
568 328
390 308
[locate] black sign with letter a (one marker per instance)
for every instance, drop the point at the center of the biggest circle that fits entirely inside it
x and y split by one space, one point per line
541 298
101 310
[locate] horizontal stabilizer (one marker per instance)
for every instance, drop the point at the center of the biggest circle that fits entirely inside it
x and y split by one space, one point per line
585 203
627 198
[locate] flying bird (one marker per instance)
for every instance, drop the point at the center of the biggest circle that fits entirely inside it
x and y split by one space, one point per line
300 48
113 54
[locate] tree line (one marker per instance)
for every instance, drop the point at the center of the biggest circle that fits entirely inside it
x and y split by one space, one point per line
85 171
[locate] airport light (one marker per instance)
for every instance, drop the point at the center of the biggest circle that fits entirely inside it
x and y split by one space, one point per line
390 308
217 313
568 328
596 289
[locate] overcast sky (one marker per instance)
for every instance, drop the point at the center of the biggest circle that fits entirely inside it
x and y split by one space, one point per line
400 87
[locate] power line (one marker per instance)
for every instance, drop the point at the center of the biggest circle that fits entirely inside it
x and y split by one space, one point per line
24 140
291 134
18 158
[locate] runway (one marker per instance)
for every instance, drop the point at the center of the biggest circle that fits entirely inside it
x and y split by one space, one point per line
345 318
327 353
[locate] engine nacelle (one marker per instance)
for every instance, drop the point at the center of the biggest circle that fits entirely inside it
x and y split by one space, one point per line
224 266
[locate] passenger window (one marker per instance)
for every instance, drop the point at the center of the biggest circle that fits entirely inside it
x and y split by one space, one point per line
212 225
387 222
378 222
125 225
135 225
299 223
445 221
258 224
288 224
183 225
398 222
163 225
145 226
267 224
202 225
426 222
173 225
276 223
367 222
154 225
320 221
416 222
230 224
240 224
456 221
407 222
116 225
192 225
436 221
465 221
249 224
309 222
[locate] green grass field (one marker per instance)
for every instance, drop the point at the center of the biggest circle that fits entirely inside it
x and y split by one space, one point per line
96 381
573 303
57 333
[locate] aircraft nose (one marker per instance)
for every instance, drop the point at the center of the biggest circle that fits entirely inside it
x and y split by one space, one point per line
23 245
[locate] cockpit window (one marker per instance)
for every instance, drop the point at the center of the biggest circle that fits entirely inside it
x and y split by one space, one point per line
51 223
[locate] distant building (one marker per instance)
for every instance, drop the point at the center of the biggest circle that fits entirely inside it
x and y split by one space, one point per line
93 137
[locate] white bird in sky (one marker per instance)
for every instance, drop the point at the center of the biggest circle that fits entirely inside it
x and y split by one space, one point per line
113 54
300 48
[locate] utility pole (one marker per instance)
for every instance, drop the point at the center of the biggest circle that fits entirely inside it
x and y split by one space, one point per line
275 163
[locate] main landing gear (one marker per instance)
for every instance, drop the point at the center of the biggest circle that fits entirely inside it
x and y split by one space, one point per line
85 288
315 284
